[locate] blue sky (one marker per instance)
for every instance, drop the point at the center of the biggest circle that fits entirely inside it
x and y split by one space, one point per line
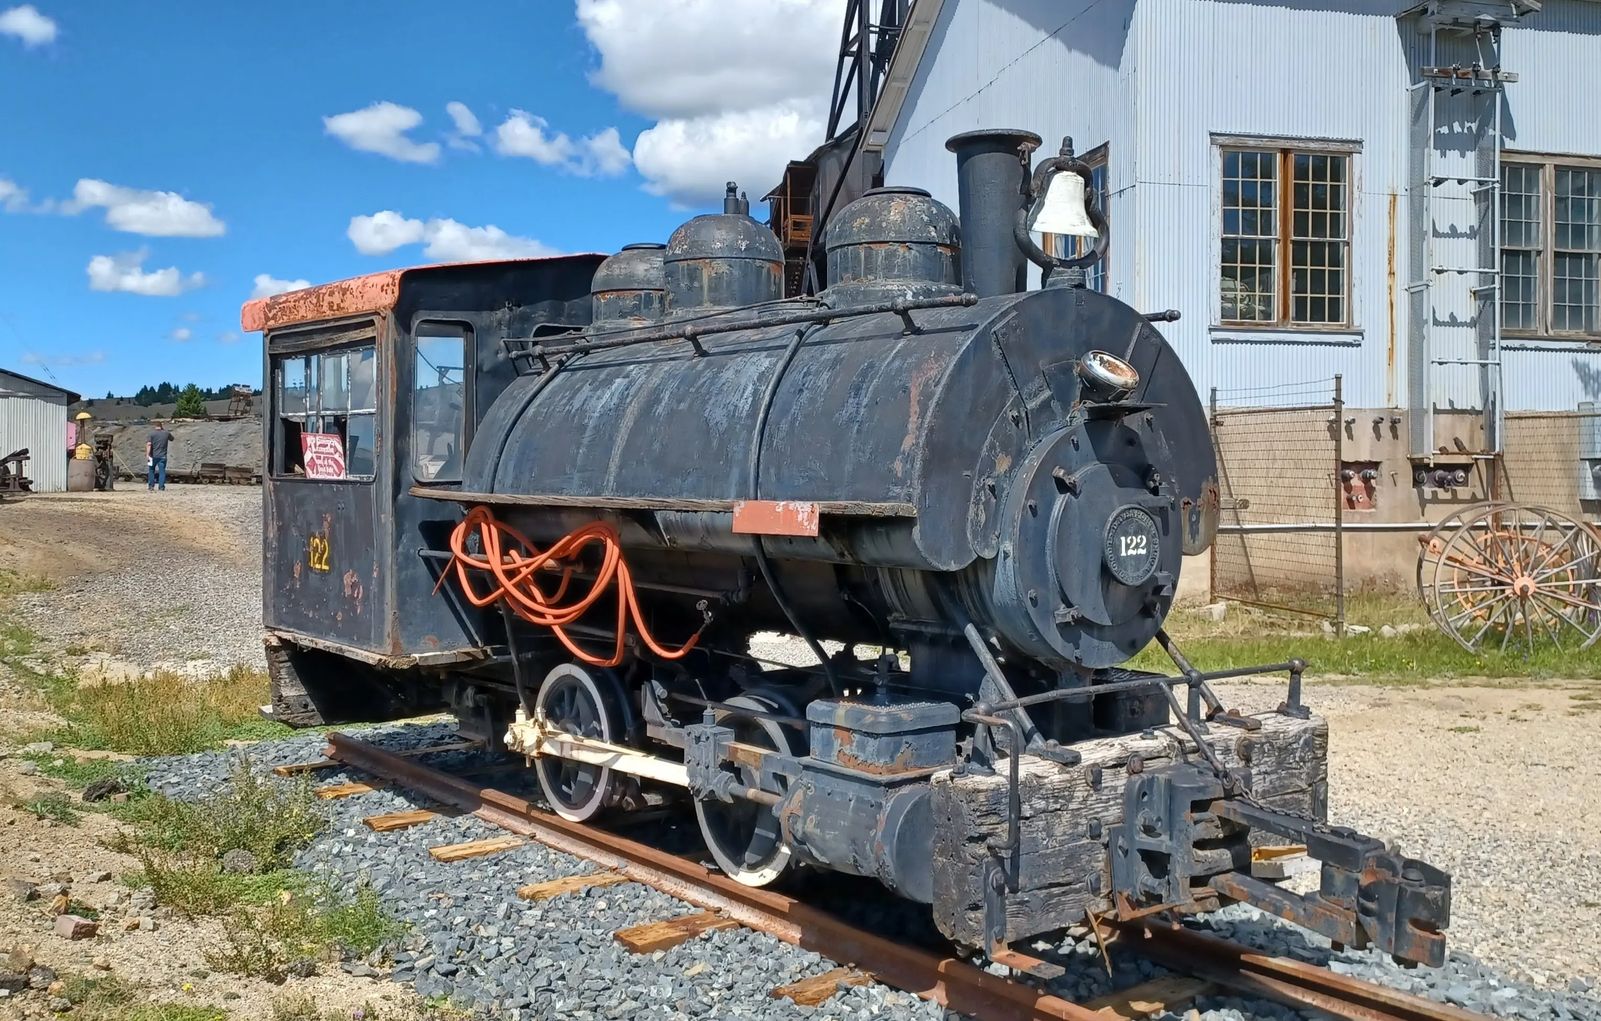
162 162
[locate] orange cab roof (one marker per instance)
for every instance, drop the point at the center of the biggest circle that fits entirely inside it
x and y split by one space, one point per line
375 292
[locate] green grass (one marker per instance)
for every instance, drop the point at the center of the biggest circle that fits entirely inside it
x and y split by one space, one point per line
109 998
179 845
165 713
1248 636
176 1012
53 805
319 925
14 583
80 773
306 1008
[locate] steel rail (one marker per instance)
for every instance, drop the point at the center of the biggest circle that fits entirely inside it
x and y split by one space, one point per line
948 981
1291 982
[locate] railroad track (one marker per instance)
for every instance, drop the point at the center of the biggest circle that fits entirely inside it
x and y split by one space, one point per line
1202 964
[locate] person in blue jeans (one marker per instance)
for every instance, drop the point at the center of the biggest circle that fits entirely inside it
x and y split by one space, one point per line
156 457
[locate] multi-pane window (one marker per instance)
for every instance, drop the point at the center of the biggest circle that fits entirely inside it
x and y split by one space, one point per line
1068 246
1551 248
327 413
1286 237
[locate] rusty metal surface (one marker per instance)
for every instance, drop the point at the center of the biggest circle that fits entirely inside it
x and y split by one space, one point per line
373 292
776 517
1288 981
945 980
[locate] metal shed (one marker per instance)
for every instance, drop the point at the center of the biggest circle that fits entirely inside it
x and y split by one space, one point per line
33 414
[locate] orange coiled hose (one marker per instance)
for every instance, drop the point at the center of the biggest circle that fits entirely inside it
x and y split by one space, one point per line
515 564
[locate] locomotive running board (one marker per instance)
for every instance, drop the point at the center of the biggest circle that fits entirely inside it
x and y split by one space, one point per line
833 508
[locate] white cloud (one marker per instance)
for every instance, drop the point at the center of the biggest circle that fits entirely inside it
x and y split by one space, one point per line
467 126
14 197
182 334
690 160
729 106
267 285
162 214
466 121
689 58
383 232
444 240
227 337
63 361
126 272
381 128
525 134
26 23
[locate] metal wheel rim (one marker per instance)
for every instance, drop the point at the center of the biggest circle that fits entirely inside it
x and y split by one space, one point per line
745 838
1511 576
572 701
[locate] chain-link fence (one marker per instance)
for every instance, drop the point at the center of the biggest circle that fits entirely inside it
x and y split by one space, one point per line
1553 459
1279 455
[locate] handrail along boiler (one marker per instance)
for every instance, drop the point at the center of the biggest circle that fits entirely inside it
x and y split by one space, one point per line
566 497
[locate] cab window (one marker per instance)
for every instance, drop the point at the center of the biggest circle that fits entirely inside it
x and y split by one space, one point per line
439 402
327 414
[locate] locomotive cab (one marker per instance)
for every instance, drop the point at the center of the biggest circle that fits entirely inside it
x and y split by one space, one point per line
375 386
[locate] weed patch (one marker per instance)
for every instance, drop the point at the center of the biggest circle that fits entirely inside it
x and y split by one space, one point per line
180 845
15 583
306 1008
166 713
296 931
54 805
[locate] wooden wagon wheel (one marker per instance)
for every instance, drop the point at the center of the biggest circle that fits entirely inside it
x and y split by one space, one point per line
1503 574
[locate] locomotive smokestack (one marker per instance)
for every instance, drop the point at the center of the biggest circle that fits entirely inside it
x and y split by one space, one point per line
991 186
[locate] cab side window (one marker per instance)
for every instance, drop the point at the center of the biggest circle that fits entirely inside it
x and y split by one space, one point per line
327 414
439 402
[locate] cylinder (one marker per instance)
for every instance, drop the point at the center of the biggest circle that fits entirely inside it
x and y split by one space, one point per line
991 186
629 288
893 242
721 261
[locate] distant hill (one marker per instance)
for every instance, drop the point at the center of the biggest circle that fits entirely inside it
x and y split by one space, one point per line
124 409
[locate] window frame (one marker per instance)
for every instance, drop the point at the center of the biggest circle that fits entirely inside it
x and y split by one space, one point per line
468 332
1284 150
311 349
1097 277
1545 255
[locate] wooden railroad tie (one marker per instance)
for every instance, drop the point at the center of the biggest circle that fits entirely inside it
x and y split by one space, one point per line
475 848
569 884
814 991
399 820
654 936
347 790
296 768
1163 993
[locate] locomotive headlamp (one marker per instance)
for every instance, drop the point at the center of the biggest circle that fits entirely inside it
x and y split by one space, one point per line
1107 377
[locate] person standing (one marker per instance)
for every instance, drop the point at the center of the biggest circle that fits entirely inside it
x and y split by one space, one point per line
156 457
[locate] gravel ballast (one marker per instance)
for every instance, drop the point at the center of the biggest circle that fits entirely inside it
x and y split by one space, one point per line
472 940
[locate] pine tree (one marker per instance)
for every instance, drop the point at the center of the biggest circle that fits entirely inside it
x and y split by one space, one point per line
190 403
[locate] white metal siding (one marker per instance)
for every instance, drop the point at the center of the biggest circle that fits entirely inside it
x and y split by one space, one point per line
1160 78
36 419
1053 67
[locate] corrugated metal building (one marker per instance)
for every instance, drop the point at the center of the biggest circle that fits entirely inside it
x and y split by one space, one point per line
33 414
1269 167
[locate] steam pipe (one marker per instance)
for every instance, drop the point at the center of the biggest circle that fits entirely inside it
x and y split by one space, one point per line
992 180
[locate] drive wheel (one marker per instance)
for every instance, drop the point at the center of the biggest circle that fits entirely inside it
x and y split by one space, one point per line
744 837
577 702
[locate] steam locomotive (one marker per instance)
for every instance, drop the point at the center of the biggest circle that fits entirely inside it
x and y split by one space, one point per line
562 498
